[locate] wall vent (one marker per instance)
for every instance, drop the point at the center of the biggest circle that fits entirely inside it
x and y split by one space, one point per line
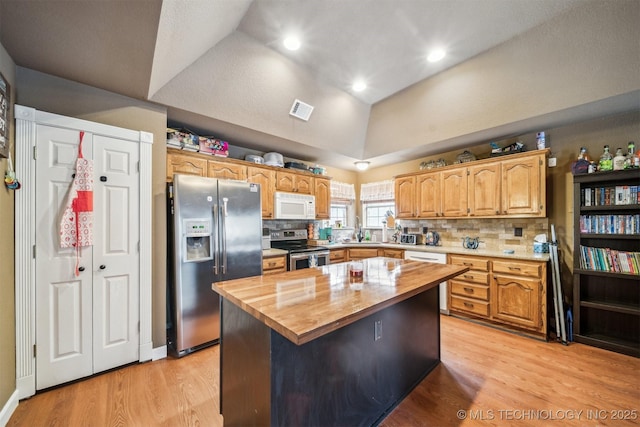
301 110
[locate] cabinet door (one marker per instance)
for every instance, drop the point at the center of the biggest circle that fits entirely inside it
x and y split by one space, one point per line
361 253
516 300
266 178
285 181
484 190
224 170
323 198
185 164
522 188
304 184
405 189
428 195
454 193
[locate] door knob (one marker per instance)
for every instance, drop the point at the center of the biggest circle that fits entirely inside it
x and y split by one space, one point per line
81 269
102 267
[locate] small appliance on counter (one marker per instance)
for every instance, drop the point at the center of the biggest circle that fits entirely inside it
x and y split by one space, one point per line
409 238
432 238
266 238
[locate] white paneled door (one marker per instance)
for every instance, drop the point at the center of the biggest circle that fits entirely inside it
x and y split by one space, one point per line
87 323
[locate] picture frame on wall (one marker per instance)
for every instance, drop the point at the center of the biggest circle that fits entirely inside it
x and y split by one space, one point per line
4 117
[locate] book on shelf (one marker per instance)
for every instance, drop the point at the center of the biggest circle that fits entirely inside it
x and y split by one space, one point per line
610 196
609 260
610 224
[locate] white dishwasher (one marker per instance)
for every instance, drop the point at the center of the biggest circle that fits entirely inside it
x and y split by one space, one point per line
437 258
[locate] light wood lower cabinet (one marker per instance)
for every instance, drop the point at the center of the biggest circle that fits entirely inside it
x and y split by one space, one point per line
501 291
362 253
337 255
274 264
391 253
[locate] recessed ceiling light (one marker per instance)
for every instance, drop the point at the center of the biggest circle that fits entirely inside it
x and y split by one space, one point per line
292 43
359 86
436 55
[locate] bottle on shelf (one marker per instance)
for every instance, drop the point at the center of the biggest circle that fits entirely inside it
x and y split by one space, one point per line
633 160
606 160
618 160
583 154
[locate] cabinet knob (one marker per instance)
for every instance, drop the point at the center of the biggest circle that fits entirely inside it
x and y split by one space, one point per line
102 267
81 269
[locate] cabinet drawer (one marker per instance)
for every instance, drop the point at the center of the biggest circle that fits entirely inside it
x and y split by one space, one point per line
391 253
337 255
480 308
274 263
469 290
474 277
362 253
473 263
521 268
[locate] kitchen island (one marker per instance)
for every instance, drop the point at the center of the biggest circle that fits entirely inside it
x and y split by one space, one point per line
320 347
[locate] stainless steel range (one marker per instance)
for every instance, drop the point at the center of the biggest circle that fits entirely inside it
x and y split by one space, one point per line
301 255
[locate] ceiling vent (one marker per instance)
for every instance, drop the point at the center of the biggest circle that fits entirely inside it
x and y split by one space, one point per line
301 110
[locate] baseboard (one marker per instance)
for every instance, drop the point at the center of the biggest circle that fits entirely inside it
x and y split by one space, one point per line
9 408
159 353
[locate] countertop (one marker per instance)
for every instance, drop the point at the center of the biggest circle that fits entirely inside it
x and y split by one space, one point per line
303 305
273 252
522 255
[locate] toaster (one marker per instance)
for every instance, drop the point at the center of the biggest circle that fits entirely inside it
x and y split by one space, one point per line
409 239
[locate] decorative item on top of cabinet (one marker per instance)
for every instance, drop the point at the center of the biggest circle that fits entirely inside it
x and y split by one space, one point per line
606 281
294 183
322 191
274 264
226 170
185 164
266 178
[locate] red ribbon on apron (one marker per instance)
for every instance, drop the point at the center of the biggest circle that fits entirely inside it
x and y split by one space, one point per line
76 226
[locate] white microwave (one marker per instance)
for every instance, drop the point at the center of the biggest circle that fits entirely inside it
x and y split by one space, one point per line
294 206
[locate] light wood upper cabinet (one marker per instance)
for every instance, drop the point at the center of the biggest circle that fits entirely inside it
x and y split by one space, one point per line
523 186
294 183
225 170
484 190
488 188
405 194
454 193
266 178
322 191
428 196
185 164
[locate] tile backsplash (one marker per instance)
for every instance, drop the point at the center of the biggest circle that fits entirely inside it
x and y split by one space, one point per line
494 234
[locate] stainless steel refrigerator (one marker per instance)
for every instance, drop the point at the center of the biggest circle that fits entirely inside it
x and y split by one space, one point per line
215 233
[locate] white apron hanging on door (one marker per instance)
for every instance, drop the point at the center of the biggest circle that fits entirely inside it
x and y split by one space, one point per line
76 225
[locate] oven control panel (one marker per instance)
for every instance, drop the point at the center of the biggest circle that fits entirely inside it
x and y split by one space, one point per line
288 234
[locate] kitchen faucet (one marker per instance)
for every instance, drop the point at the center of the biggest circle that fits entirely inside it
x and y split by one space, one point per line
359 234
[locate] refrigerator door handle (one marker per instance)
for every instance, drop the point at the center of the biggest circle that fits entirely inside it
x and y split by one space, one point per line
223 221
216 260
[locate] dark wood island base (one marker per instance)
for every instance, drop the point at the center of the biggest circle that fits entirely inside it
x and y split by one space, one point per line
353 371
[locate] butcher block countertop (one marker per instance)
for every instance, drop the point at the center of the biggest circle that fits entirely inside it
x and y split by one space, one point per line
303 305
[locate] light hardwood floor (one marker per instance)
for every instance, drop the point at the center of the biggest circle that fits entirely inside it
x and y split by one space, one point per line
494 377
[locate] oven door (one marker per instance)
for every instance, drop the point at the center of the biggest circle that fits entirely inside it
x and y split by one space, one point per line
308 259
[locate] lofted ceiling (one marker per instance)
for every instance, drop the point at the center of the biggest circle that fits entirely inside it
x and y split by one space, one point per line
219 66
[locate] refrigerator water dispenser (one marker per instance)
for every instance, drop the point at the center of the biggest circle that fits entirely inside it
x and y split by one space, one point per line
197 240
